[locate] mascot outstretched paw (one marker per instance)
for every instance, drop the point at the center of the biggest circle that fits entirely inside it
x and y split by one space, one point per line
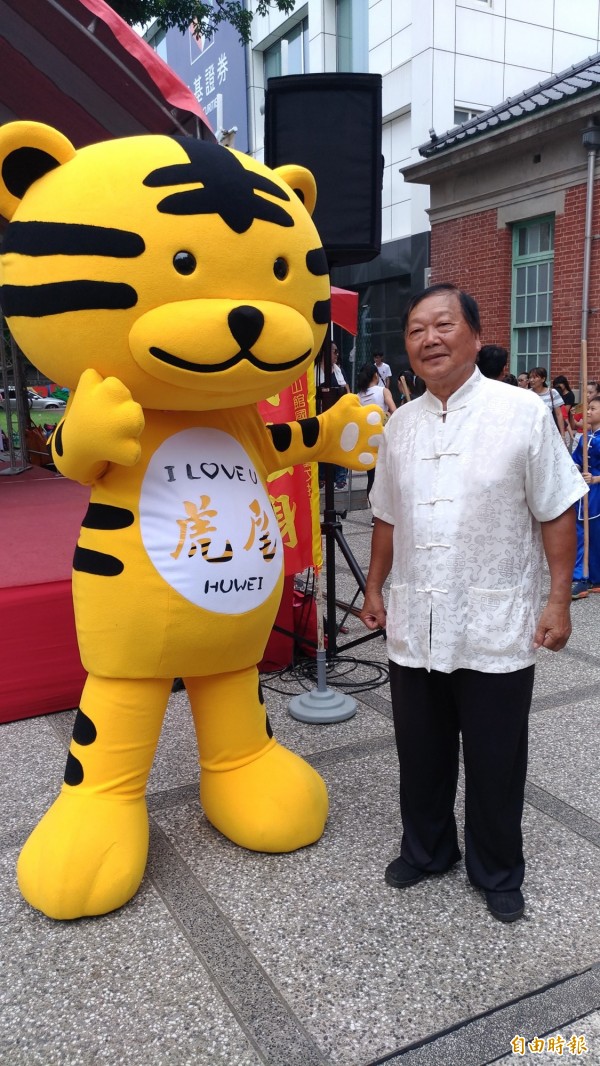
352 433
275 803
87 855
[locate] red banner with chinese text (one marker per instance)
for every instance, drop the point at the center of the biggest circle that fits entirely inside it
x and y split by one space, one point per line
294 492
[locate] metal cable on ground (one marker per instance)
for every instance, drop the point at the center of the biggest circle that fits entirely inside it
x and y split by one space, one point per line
303 671
339 675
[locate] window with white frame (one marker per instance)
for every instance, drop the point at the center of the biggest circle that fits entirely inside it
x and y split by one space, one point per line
532 286
289 54
352 35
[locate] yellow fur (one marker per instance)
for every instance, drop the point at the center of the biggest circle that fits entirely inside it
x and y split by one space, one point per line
170 285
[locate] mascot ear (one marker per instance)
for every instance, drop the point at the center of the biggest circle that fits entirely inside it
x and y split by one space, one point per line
28 150
302 182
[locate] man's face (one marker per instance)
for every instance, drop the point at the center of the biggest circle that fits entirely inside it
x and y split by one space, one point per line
441 346
523 381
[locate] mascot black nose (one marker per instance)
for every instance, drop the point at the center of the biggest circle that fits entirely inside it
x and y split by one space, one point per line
246 325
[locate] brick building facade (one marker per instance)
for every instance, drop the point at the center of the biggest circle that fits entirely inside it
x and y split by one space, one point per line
522 168
453 259
570 228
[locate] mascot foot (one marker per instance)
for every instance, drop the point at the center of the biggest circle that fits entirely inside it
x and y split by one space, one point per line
87 855
276 803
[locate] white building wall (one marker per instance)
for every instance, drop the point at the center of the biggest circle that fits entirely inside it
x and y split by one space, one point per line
435 56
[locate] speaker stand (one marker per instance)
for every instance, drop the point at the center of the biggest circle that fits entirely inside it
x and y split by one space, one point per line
323 704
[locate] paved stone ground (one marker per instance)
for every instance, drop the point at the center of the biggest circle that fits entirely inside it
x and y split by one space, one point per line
230 958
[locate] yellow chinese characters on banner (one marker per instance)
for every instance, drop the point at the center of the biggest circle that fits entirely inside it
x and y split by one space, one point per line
294 492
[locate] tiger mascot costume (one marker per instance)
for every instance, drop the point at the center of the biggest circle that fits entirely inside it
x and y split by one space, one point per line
170 283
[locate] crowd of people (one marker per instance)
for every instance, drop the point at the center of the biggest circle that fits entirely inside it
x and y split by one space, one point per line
567 415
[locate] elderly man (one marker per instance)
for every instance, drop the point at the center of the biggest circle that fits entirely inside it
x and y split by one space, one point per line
473 484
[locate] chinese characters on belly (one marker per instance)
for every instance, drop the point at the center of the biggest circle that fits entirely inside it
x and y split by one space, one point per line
207 523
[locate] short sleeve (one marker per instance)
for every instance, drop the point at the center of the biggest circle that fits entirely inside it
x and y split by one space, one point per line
552 481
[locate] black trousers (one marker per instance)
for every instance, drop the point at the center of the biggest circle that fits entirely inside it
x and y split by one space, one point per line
491 711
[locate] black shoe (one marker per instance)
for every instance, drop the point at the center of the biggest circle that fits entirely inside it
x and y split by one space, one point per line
580 590
505 906
400 874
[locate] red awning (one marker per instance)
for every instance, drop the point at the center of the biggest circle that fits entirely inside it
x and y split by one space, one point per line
76 65
344 309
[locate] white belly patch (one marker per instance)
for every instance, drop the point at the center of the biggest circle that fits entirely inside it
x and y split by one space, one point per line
207 522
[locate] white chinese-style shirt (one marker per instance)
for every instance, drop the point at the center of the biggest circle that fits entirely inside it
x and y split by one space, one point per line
466 495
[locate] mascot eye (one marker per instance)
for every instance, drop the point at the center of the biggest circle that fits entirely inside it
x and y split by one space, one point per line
184 262
280 268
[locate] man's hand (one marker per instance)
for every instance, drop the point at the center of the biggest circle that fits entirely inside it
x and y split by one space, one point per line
554 627
373 613
560 545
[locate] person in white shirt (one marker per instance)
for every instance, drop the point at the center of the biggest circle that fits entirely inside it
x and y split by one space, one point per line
384 373
472 486
550 397
369 390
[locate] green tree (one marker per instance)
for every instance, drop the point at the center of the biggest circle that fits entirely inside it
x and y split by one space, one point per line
203 15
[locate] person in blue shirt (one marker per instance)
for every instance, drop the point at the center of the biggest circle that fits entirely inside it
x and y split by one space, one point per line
582 586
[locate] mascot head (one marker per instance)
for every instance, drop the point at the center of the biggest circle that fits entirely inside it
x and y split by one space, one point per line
189 271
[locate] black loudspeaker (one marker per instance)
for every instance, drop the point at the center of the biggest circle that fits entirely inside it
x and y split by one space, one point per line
331 123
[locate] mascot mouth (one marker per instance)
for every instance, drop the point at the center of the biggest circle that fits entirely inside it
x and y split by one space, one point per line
215 368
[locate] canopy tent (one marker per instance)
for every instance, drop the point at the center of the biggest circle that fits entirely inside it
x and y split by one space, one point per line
77 65
344 309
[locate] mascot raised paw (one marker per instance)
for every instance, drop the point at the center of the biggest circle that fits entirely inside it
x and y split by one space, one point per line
170 284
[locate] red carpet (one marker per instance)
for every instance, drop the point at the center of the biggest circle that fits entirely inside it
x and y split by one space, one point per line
40 670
